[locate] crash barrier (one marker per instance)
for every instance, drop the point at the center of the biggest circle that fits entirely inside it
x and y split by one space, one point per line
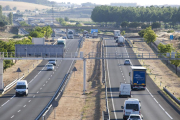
172 96
12 84
105 114
81 42
44 114
130 43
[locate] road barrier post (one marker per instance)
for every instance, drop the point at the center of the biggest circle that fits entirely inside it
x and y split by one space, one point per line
84 88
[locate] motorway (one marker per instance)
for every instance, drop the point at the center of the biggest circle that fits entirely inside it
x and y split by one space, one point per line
42 87
154 104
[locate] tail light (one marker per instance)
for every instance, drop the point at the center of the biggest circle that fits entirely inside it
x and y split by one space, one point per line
139 112
124 112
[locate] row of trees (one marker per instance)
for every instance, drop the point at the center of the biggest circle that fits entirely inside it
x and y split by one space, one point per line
10 47
135 14
8 8
40 32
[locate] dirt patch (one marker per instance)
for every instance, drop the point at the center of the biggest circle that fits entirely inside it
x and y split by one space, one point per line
26 67
22 6
76 105
160 73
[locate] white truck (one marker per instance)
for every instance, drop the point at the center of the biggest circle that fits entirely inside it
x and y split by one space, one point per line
95 35
116 34
121 41
21 88
125 90
70 35
131 106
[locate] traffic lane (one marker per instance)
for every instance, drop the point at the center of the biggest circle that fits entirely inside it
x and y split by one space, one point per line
126 70
155 111
11 93
30 77
46 92
115 78
169 107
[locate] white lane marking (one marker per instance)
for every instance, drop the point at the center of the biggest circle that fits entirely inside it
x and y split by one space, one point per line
40 88
29 101
111 90
48 78
44 85
51 75
19 110
121 71
125 82
24 106
46 81
124 79
159 104
34 96
37 91
123 76
168 115
12 116
5 103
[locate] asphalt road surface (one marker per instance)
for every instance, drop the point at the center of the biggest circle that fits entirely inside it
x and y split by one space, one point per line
42 86
154 104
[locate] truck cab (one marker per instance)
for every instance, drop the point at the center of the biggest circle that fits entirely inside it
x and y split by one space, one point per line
21 88
116 34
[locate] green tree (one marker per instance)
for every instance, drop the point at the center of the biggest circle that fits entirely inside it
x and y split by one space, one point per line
150 35
134 25
156 25
36 34
2 24
23 23
123 33
168 48
14 8
10 18
66 19
7 7
176 62
0 10
141 33
124 24
48 31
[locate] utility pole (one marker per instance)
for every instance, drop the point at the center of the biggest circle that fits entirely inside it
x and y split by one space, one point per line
52 15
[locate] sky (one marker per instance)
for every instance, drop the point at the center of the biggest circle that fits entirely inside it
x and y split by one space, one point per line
139 2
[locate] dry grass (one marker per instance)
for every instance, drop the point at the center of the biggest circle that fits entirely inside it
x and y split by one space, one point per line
22 6
158 71
10 74
76 105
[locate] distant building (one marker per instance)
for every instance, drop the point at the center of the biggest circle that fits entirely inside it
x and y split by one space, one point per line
124 4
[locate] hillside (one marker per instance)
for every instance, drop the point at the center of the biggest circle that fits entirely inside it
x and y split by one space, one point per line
22 6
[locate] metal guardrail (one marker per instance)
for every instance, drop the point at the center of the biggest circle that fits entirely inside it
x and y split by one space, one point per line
105 114
172 96
49 105
12 84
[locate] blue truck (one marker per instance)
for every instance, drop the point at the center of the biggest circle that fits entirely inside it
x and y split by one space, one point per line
138 77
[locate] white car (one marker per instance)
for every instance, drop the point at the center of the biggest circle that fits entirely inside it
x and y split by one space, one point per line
52 62
127 62
50 67
135 117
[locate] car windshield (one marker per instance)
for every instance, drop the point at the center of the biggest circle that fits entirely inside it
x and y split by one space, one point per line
134 107
49 65
135 117
21 87
51 60
127 61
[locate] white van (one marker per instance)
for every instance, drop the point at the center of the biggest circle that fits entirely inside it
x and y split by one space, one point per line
124 90
21 88
131 106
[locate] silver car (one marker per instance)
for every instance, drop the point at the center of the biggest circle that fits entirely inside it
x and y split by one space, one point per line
50 67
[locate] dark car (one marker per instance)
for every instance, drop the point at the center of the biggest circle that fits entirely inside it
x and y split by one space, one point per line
127 62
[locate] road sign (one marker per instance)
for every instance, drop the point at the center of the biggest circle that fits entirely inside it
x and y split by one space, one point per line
74 69
171 37
94 30
18 70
